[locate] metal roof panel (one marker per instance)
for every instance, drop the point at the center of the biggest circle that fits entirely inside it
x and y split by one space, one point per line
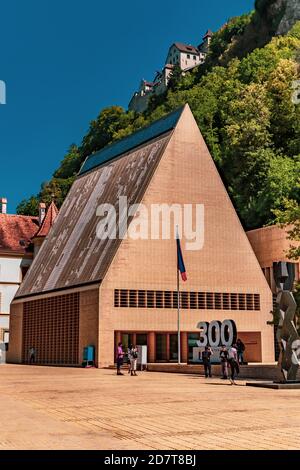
126 144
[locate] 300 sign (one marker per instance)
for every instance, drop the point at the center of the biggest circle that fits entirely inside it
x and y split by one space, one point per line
216 333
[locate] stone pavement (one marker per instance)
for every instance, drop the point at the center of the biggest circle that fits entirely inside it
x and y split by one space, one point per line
64 408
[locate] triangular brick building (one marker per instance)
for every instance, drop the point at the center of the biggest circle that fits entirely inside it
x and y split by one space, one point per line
82 291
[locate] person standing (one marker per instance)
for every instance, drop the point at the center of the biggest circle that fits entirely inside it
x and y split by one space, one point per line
240 351
128 358
206 355
224 362
233 362
31 355
120 355
133 355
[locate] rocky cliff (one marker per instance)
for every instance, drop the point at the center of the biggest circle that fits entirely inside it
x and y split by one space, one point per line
290 17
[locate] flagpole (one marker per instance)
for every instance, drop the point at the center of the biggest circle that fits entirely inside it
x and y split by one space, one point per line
178 317
178 307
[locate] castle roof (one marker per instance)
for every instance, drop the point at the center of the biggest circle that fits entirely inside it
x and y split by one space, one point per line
186 48
48 221
16 232
208 34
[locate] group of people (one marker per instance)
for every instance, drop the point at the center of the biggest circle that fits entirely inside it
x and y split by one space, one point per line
132 357
232 357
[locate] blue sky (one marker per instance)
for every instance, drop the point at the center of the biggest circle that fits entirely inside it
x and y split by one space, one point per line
64 60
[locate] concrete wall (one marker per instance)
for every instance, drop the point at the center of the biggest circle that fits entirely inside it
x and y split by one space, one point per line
14 353
187 174
89 322
10 278
270 244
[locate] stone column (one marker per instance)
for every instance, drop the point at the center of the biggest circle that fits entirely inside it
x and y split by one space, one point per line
151 347
184 347
168 347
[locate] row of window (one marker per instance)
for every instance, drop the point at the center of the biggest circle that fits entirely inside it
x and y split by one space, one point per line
126 298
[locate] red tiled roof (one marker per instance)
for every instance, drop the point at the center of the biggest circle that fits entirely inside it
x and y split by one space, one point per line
16 232
186 48
48 221
148 83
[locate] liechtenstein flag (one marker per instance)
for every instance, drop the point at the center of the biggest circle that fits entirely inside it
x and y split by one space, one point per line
180 263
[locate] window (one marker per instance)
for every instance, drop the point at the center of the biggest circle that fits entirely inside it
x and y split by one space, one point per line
188 56
150 299
185 300
210 301
142 298
124 298
234 301
194 57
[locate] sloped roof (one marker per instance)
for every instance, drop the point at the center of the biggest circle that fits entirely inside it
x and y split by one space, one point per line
72 255
186 48
208 34
16 232
132 141
48 221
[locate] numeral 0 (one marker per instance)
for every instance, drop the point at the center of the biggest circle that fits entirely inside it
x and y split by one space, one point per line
217 333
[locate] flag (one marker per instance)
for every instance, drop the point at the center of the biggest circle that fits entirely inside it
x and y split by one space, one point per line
180 262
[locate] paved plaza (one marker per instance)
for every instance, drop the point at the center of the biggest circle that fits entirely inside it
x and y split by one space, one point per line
64 408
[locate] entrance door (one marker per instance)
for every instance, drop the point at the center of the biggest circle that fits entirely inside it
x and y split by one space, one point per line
126 339
173 355
161 347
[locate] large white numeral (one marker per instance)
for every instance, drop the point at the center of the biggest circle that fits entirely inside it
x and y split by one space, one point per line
203 326
296 92
228 332
214 331
217 333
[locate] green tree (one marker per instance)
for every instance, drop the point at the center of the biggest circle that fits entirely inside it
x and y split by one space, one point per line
289 216
175 78
29 206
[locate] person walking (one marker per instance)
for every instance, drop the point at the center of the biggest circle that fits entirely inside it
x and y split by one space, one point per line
206 355
31 355
128 358
120 356
224 362
133 356
233 362
240 351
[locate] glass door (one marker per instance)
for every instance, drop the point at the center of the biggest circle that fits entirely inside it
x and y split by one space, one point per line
173 348
161 347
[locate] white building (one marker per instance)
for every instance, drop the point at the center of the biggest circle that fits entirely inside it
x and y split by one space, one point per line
185 56
20 238
140 100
